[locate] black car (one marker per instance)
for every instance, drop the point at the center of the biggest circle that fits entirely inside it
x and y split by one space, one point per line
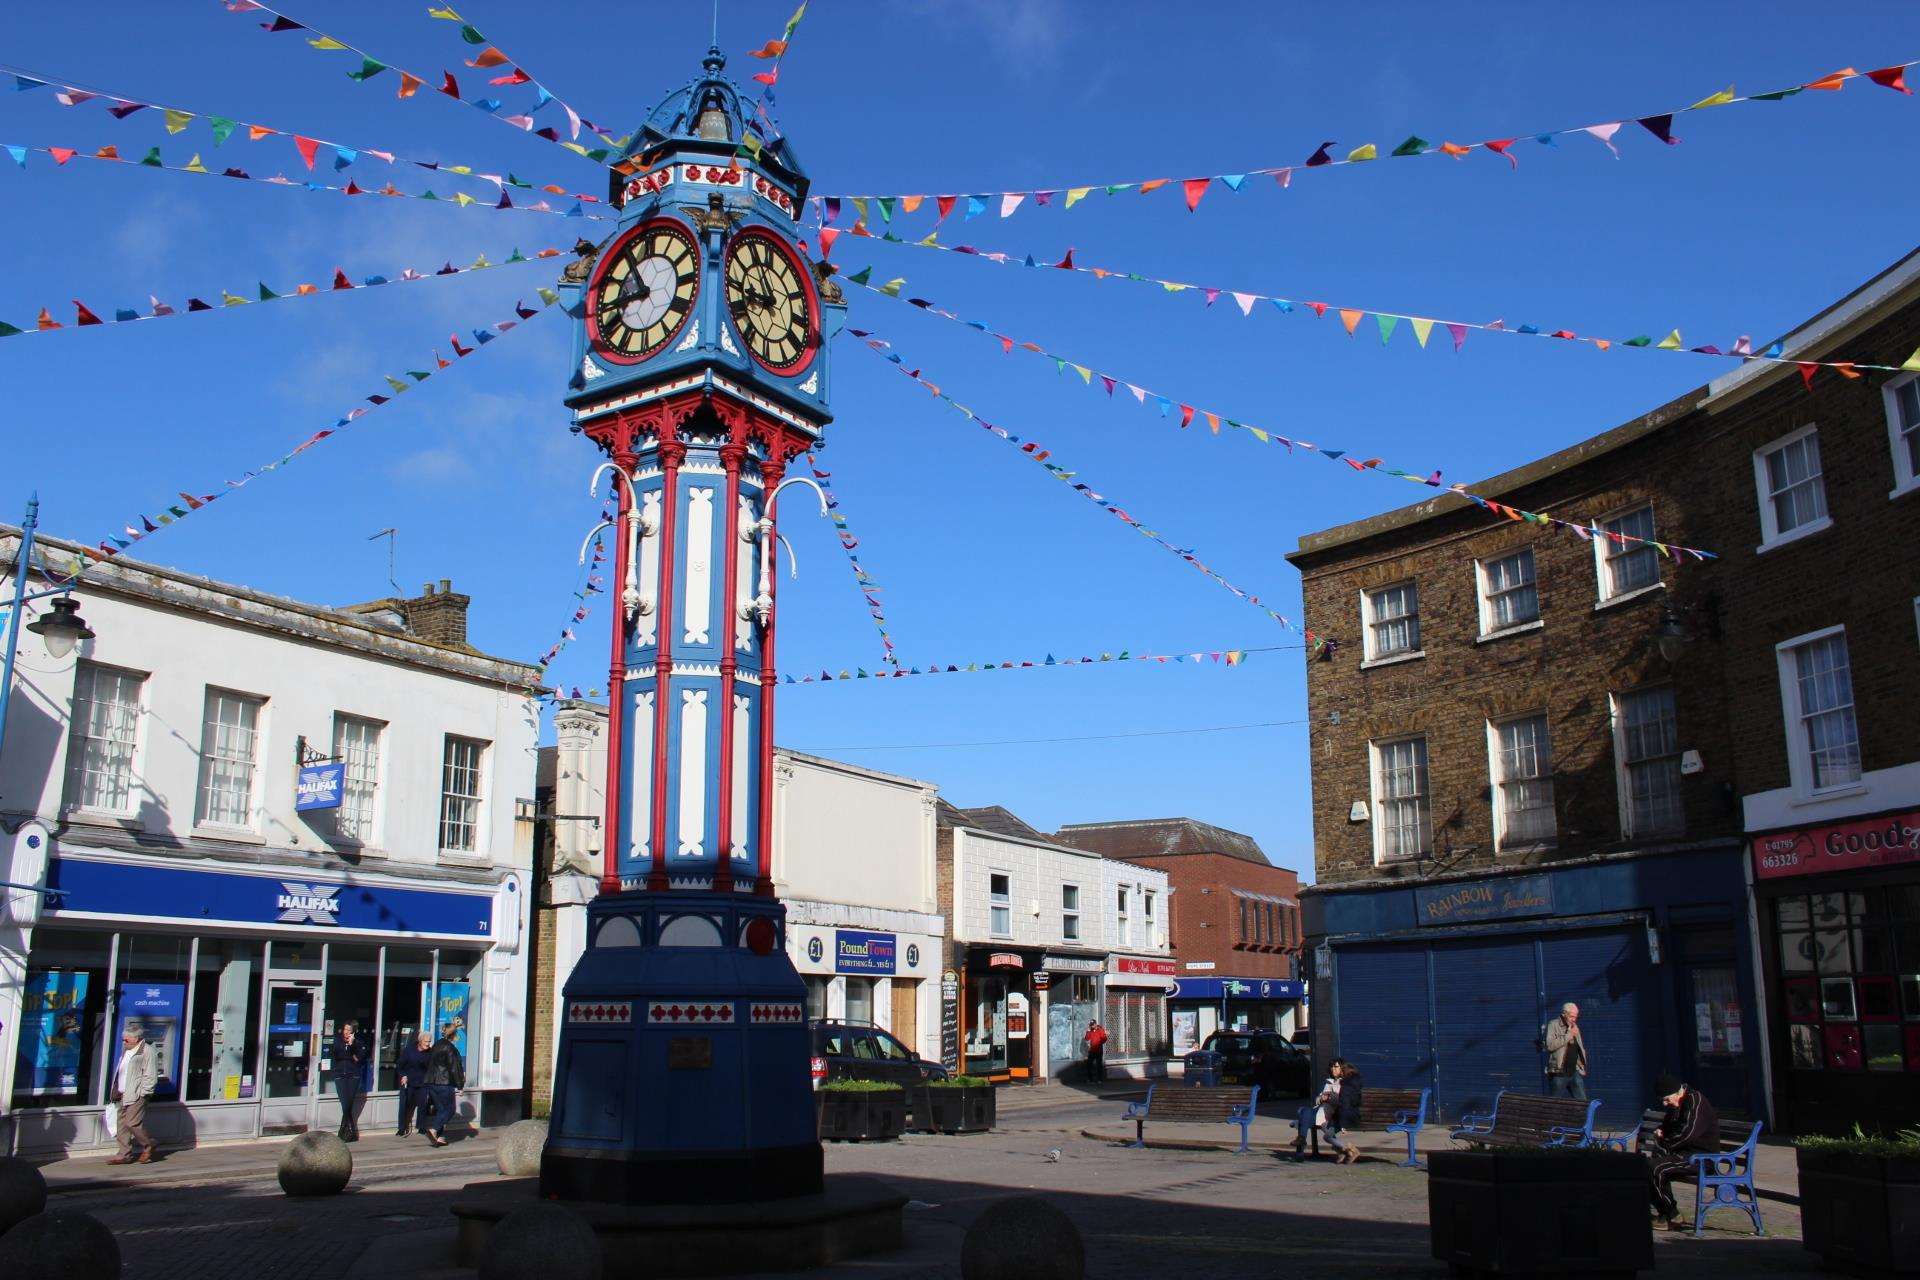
1265 1058
854 1051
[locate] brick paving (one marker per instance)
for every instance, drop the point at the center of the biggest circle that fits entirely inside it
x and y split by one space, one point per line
217 1213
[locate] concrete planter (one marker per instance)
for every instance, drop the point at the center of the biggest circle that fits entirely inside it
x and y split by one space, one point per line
1861 1211
861 1115
1559 1213
970 1110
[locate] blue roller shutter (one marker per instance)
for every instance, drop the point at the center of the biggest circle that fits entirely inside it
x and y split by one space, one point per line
1606 973
1385 1024
1487 1018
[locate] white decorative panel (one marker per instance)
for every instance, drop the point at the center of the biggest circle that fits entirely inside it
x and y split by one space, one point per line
650 566
693 771
692 339
737 837
641 767
697 614
744 582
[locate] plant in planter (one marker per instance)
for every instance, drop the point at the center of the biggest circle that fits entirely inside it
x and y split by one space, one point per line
962 1104
1545 1211
1860 1200
860 1110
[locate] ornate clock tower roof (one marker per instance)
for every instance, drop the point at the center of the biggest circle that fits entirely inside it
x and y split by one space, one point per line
711 114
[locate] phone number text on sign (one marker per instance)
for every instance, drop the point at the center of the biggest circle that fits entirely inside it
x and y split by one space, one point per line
1873 842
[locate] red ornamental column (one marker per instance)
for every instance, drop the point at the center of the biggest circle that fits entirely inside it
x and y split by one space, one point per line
731 455
771 473
623 458
672 453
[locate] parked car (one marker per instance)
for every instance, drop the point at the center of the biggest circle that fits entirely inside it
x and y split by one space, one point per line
852 1051
1265 1058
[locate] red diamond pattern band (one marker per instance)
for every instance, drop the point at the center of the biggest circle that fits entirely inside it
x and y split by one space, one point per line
611 1012
690 1011
777 1013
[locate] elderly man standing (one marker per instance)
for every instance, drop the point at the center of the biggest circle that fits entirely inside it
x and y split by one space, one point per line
134 1081
1567 1056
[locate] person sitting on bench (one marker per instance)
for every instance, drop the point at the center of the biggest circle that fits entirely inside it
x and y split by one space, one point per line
1315 1114
1335 1111
1690 1125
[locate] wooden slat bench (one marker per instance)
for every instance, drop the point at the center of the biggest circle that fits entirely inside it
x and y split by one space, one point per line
1718 1179
1529 1120
1386 1111
1195 1104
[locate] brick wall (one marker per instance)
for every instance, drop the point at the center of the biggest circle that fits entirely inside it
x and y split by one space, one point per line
540 1012
1206 914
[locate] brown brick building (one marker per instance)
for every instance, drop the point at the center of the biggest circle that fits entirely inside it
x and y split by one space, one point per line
1540 757
1234 923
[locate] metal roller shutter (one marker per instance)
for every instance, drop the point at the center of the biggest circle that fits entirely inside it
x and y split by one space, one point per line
1385 1024
1606 973
1488 995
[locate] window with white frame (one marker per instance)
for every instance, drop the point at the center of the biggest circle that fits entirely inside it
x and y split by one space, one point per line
1903 430
1000 904
1070 912
1393 620
1793 493
1823 738
1401 828
105 738
1523 782
1627 558
1508 597
229 758
462 783
1146 909
1647 740
356 744
1124 936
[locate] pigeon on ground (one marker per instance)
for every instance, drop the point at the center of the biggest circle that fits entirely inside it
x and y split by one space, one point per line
1053 1155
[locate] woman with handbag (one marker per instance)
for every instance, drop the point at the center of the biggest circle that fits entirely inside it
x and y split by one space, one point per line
446 1072
412 1065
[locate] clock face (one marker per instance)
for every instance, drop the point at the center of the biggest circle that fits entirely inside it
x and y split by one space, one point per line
643 293
771 299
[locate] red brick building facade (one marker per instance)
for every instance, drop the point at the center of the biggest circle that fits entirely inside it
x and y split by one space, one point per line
1234 925
1550 767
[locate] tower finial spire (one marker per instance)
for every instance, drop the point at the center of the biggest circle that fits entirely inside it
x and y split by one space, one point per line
716 24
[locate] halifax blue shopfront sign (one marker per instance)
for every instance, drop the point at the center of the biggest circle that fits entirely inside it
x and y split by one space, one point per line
319 786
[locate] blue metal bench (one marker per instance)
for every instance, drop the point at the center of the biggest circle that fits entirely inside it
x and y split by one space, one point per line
1409 1114
1195 1104
1724 1174
1529 1120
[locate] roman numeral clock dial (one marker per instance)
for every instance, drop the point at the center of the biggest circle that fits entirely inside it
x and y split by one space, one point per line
643 293
771 299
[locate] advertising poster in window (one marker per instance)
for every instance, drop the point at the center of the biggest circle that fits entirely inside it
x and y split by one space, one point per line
1186 1031
154 1010
53 1029
449 1011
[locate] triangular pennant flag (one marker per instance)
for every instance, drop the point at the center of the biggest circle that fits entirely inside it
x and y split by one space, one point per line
1660 127
1386 324
1421 328
82 316
1320 157
177 119
1672 342
1351 319
1413 146
1459 332
1367 152
1499 147
1605 133
308 148
1195 188
1834 81
1891 78
368 70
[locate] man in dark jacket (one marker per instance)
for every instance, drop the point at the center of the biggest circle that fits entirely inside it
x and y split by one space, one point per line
1690 1125
351 1053
412 1072
1346 1111
446 1072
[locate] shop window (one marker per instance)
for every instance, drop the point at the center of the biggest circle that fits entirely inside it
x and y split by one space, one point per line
460 793
1647 745
61 1046
860 1000
352 995
229 756
405 995
1000 904
102 750
987 1025
224 1048
1070 912
817 987
1862 1010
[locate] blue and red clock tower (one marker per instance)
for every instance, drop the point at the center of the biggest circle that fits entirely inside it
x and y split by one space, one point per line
700 368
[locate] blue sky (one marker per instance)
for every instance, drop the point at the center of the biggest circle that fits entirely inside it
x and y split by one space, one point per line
1762 214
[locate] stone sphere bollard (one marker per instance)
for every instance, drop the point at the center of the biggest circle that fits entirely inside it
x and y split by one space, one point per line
315 1164
23 1192
520 1146
60 1246
1023 1238
540 1241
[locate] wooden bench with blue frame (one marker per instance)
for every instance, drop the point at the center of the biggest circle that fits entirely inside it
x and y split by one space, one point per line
1195 1104
1725 1173
1530 1120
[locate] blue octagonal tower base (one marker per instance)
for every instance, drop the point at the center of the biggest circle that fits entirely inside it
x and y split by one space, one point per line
683 1071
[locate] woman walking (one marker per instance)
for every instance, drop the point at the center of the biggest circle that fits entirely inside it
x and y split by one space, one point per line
445 1073
412 1066
351 1056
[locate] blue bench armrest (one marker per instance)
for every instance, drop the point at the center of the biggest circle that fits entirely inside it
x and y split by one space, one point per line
1567 1135
1475 1124
1136 1109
